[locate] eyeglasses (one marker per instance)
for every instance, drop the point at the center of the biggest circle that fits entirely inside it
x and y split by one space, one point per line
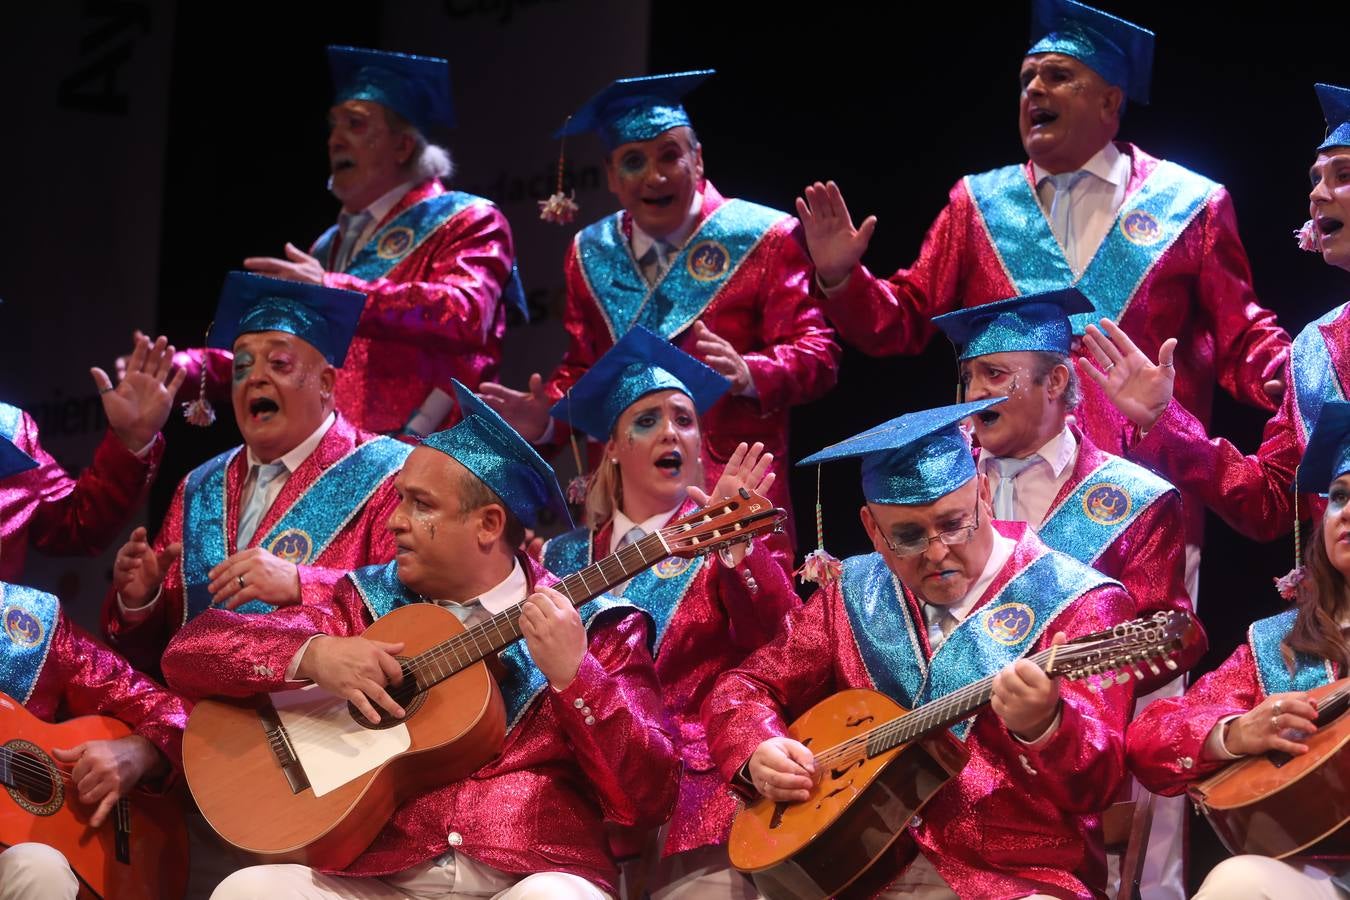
951 537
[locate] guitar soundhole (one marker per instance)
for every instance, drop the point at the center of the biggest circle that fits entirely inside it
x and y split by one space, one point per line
405 695
31 778
860 720
836 774
777 818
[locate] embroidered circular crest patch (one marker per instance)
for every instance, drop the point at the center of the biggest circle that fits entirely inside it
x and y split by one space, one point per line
395 243
708 261
1010 623
1140 228
1106 504
670 568
22 627
292 545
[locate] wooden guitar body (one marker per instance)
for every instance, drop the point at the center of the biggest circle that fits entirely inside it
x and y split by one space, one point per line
822 846
1275 805
140 851
242 789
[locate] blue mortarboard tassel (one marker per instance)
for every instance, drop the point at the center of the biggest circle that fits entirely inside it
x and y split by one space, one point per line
1031 322
640 363
1119 51
491 449
415 87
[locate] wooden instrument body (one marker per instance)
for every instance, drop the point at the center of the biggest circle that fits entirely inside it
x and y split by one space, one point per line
821 846
157 852
1257 805
242 791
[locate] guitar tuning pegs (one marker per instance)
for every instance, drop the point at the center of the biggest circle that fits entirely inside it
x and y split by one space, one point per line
1122 676
1171 664
1153 667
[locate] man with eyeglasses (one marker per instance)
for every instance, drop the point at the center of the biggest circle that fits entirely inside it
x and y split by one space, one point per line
948 598
1099 508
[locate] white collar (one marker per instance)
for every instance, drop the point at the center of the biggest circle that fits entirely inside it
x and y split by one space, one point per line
505 594
998 557
382 205
1059 452
301 451
621 524
642 241
1105 164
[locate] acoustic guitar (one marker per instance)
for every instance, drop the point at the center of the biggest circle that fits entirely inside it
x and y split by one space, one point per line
877 764
140 850
1278 805
301 776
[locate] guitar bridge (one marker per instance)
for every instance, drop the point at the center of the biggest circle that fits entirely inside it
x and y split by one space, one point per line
280 742
122 832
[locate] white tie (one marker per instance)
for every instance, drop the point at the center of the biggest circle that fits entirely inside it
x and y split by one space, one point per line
1060 204
256 507
940 624
350 228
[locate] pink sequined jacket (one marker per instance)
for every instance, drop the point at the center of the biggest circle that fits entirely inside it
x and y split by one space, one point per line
1199 292
1020 818
62 516
539 805
362 541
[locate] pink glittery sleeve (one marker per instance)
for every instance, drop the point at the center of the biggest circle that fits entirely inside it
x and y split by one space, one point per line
1249 343
1166 740
82 677
758 594
798 360
620 732
1252 493
81 516
453 299
884 317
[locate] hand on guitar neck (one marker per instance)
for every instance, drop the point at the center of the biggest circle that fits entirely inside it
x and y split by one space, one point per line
360 670
1265 726
105 771
1024 697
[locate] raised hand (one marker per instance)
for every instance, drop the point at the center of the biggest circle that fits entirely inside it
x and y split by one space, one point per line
1133 384
140 404
722 357
138 570
525 411
297 266
749 468
834 244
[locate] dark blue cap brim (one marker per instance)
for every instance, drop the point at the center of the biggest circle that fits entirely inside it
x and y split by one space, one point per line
1031 322
13 461
415 87
1327 456
635 109
323 317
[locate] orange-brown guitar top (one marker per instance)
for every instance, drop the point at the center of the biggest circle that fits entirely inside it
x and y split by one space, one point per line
140 852
244 793
1276 805
818 847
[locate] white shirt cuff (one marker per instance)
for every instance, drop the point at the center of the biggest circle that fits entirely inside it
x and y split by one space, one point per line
299 655
134 615
829 290
1044 735
1215 748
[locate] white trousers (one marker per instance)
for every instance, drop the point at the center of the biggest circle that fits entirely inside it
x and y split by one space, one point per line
1263 878
36 872
449 878
922 882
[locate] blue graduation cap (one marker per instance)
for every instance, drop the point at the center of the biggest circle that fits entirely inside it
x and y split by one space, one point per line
635 109
1119 51
415 87
484 444
1029 322
641 363
1327 456
1336 108
323 317
13 461
912 459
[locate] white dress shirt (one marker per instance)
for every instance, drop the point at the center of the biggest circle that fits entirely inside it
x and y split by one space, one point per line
623 525
1039 483
378 210
998 556
1093 202
642 242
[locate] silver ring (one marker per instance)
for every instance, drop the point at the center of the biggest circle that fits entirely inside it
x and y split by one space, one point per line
106 390
240 579
1275 721
1108 368
1165 365
1279 707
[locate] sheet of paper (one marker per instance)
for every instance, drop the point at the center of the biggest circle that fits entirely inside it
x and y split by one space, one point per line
332 748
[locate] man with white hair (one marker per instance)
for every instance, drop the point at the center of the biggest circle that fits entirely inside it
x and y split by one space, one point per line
434 264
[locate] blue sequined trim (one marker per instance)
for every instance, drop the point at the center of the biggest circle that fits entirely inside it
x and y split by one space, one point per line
1077 528
1265 636
10 417
405 233
28 620
1314 375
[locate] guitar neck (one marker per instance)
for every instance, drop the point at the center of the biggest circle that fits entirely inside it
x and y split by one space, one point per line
480 641
941 713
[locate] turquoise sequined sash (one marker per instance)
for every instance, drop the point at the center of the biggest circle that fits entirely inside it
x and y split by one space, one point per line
1101 509
28 620
1314 374
1264 636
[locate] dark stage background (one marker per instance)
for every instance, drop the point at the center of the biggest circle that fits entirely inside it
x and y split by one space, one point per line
892 104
